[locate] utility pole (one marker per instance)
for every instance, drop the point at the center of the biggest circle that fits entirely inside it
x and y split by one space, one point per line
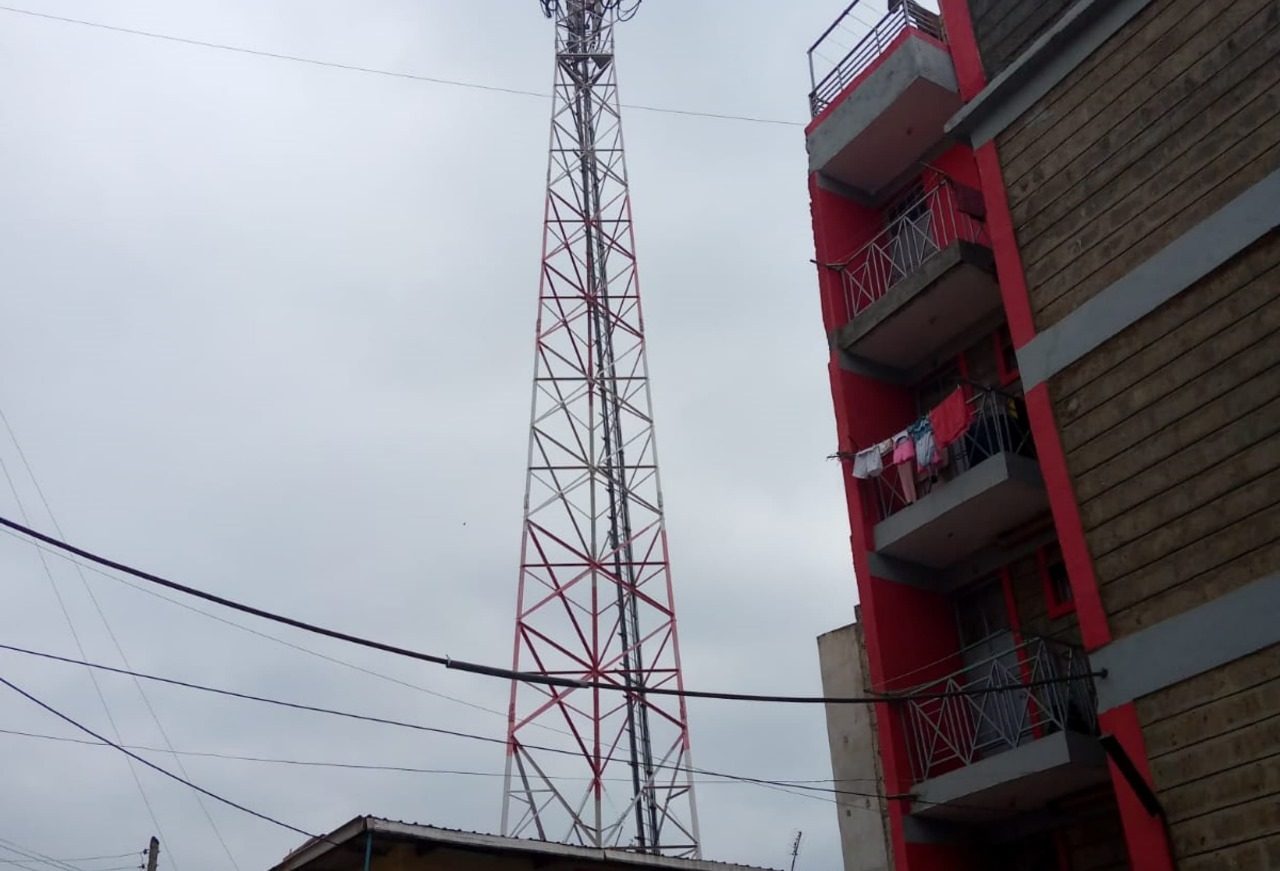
153 853
795 849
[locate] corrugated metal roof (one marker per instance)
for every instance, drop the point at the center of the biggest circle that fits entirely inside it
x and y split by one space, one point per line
319 847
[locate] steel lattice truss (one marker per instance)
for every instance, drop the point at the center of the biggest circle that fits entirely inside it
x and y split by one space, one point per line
595 598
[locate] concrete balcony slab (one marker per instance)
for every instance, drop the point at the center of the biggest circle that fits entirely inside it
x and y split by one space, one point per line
1015 781
946 296
961 516
888 120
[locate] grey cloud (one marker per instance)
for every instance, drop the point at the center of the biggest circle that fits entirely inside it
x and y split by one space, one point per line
268 328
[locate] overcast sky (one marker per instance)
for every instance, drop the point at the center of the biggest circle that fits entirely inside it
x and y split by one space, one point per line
267 328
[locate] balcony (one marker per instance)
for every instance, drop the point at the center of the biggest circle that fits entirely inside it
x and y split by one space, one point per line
997 751
989 483
879 108
921 283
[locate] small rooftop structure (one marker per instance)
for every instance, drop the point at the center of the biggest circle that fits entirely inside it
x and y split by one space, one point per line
374 844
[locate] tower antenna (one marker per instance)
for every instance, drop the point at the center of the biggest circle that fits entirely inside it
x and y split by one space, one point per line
594 597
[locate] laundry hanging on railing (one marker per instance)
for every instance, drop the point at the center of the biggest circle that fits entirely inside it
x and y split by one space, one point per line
870 463
927 453
904 455
921 446
950 419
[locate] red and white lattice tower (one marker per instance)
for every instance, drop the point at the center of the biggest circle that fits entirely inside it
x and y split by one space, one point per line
592 766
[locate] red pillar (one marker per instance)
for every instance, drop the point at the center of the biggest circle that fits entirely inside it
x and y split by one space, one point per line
1145 836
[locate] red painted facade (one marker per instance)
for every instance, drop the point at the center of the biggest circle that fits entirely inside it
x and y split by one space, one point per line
912 632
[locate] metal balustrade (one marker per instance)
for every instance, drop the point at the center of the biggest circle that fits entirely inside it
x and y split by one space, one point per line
943 214
839 73
998 424
1048 689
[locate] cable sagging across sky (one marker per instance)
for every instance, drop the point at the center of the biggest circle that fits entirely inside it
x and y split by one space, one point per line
153 766
419 727
497 671
434 80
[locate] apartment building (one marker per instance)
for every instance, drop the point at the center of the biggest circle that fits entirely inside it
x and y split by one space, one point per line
1047 258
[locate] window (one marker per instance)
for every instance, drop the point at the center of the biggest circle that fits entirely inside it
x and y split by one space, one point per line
939 383
981 612
1057 584
910 233
1006 356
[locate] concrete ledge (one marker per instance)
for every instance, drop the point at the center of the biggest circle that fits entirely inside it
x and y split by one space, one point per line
904 572
1017 780
1177 266
897 112
1048 60
1227 628
923 281
963 515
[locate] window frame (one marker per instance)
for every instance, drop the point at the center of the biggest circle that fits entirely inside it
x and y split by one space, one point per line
1002 339
1056 607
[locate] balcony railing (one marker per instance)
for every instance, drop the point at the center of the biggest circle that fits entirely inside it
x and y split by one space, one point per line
1049 690
837 74
945 213
998 424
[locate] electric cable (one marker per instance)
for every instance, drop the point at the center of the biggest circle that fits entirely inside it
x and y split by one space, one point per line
386 721
788 790
153 766
435 80
114 867
33 856
793 787
16 862
20 864
98 858
93 678
115 641
369 766
111 856
277 639
64 864
506 673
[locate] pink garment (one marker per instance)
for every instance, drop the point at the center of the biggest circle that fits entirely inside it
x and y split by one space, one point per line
907 477
904 449
904 454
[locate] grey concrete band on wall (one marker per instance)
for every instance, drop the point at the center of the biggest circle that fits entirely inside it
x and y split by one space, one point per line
1177 266
1080 31
1242 622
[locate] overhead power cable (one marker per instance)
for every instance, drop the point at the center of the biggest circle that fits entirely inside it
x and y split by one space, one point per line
93 678
87 858
59 866
372 766
63 864
385 721
435 80
275 638
496 671
791 787
18 863
111 633
154 767
111 856
32 855
112 868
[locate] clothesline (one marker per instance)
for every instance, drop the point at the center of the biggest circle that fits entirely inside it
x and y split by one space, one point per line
921 447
